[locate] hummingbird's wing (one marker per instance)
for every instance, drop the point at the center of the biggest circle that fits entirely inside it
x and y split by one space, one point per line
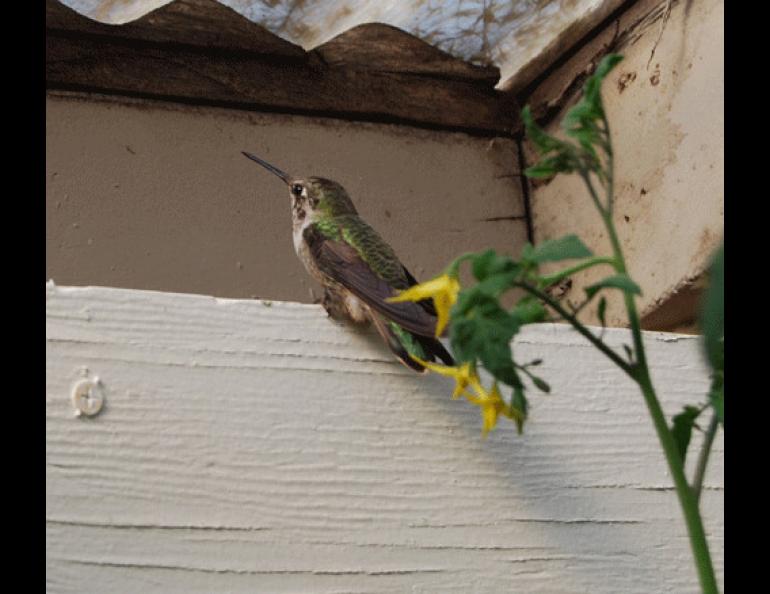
344 264
427 304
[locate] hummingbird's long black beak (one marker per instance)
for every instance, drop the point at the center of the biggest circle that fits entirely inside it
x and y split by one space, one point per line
269 167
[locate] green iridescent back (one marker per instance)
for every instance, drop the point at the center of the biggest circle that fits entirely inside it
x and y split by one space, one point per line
370 246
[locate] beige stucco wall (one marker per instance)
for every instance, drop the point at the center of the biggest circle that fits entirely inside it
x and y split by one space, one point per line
667 125
157 195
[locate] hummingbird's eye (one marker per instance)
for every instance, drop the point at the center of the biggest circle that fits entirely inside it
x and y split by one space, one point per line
296 189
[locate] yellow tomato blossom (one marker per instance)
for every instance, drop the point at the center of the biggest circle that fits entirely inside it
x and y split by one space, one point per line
442 289
464 375
492 405
490 401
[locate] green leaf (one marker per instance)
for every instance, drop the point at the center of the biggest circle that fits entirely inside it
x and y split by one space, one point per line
489 263
481 264
541 384
466 300
581 122
541 171
568 247
712 320
519 407
529 311
608 63
592 88
712 324
501 367
616 281
682 428
543 141
484 332
601 311
565 161
717 396
587 138
581 114
526 252
497 284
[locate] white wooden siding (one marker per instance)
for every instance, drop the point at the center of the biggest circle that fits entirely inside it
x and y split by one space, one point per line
254 447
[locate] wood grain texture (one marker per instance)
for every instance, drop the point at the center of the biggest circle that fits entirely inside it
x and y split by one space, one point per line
380 47
248 446
205 24
370 73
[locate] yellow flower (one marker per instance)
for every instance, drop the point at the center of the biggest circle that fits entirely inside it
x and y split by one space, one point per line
490 401
442 289
465 375
492 406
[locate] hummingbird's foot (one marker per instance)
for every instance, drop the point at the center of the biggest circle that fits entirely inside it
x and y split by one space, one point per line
335 309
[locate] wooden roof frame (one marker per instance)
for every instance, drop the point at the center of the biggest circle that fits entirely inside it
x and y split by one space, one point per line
204 53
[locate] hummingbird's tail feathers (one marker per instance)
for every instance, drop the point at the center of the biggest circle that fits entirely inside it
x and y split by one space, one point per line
404 343
434 349
393 337
426 304
432 346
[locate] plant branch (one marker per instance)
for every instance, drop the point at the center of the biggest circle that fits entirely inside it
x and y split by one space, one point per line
454 266
554 278
610 166
594 196
579 308
577 325
703 458
641 373
687 499
583 122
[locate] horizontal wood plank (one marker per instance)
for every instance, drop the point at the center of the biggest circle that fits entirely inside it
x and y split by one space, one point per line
253 446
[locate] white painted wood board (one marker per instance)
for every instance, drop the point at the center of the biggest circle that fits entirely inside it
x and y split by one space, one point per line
255 447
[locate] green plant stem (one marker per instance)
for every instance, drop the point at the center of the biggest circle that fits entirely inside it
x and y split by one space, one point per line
610 165
580 122
577 325
641 373
594 196
687 499
551 279
581 307
703 458
454 266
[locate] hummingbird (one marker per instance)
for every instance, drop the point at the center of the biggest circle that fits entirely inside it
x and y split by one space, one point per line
357 269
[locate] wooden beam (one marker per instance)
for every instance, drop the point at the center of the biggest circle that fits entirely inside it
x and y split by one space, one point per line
562 77
375 46
677 309
371 73
204 24
260 447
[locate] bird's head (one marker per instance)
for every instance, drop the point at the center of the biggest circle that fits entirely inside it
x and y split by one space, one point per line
315 197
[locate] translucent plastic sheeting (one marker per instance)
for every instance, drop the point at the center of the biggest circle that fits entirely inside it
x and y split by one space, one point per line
506 33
